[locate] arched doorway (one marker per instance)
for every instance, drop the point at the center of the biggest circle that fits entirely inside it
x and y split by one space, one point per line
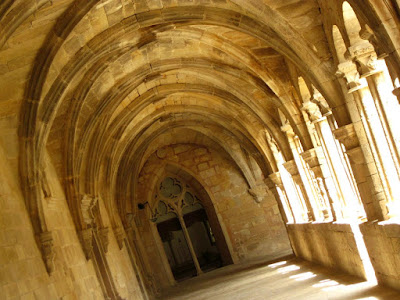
185 230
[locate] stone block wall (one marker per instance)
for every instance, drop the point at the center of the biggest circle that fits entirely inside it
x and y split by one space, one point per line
22 272
329 244
383 245
252 230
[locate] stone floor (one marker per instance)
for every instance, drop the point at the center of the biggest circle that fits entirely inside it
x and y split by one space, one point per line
285 279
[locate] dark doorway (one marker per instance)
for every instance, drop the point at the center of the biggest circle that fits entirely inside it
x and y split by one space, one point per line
176 249
203 240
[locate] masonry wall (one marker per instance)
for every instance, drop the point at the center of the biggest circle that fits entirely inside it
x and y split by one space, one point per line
252 230
22 271
329 244
383 245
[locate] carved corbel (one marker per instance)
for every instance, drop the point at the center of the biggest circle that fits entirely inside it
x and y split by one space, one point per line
276 179
120 236
86 237
287 128
258 193
47 249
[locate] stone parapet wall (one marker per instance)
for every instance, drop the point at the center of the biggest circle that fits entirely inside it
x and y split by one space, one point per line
383 245
330 244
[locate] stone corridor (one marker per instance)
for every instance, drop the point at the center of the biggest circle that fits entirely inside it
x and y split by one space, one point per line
144 142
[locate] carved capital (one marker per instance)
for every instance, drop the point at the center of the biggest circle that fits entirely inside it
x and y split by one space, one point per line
365 56
291 167
349 71
287 128
269 183
46 245
347 136
311 158
313 111
276 179
86 238
361 49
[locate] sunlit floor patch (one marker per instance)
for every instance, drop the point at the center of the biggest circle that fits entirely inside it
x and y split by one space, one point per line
303 276
287 279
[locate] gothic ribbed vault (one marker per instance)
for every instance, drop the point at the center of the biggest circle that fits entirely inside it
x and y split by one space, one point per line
102 98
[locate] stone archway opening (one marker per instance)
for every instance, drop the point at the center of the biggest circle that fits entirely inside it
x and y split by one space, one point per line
185 230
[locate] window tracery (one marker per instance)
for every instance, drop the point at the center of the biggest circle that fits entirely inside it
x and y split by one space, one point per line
174 198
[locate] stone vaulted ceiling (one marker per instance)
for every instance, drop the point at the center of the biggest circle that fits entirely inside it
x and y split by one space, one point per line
101 85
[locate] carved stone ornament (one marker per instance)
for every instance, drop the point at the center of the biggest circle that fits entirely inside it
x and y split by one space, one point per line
349 71
276 179
291 167
86 237
312 110
272 143
120 236
88 206
365 56
288 129
258 193
311 158
347 136
46 243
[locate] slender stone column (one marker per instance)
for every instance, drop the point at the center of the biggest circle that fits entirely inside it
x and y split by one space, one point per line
358 138
383 166
299 176
190 245
371 192
388 110
136 250
274 182
273 188
327 203
324 178
291 167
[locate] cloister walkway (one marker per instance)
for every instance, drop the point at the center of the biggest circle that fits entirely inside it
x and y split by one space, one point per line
290 278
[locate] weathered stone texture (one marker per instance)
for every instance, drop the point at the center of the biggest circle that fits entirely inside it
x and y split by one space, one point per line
331 245
248 227
383 244
101 98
